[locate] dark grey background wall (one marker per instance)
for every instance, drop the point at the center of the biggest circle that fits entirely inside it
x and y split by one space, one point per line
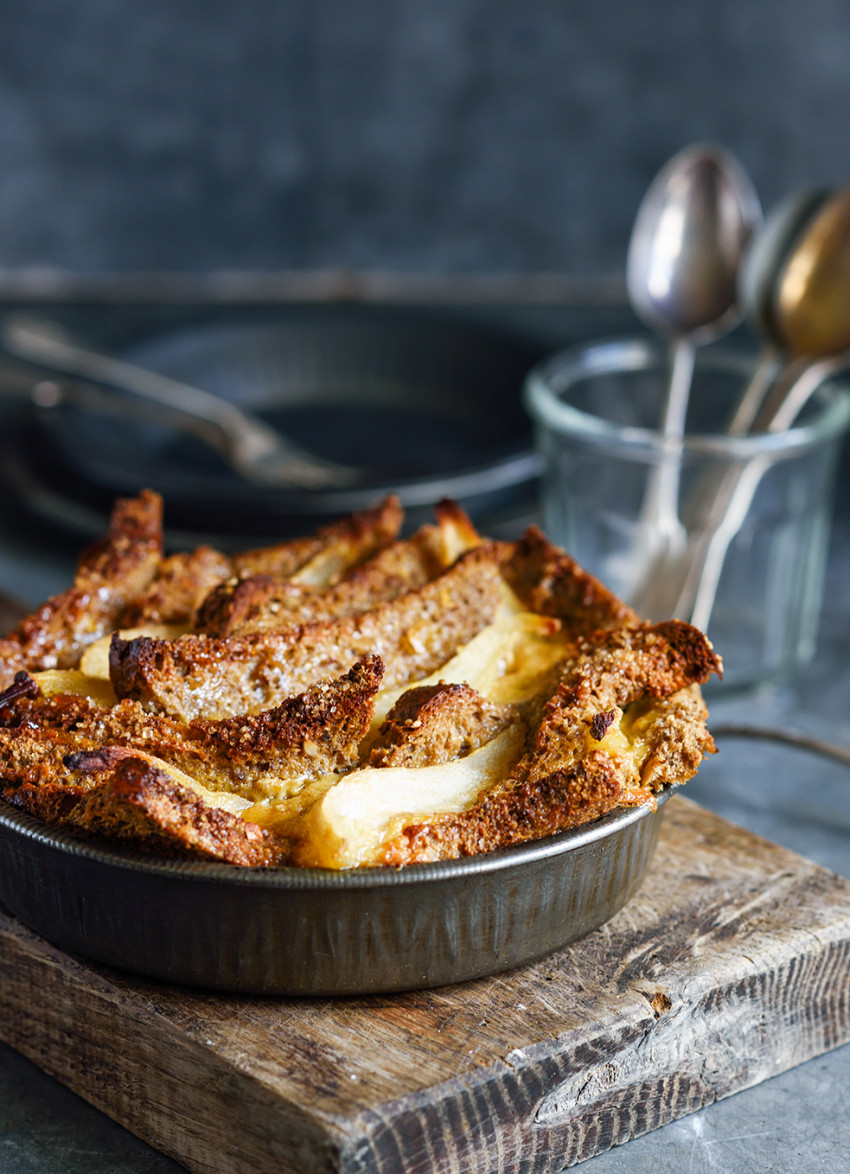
416 135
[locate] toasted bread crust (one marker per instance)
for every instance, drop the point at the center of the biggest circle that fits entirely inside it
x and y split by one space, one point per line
677 740
263 711
35 757
139 804
413 635
616 670
184 580
263 603
433 724
341 545
527 811
110 573
53 802
315 733
564 780
551 583
181 584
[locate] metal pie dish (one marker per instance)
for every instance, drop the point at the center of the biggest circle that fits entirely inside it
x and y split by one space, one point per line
298 931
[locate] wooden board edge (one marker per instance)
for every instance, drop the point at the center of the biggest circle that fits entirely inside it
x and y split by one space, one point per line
547 1110
204 1115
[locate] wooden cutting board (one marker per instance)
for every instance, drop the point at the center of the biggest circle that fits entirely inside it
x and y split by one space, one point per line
732 964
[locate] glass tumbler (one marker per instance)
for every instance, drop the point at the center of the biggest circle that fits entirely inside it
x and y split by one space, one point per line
730 533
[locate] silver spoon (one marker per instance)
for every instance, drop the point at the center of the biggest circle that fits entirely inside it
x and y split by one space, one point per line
686 247
258 452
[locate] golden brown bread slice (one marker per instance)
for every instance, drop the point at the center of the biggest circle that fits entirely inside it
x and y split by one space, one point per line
315 733
640 664
138 803
197 676
432 724
53 802
582 762
263 603
33 756
346 824
549 582
321 558
185 579
671 736
182 582
110 574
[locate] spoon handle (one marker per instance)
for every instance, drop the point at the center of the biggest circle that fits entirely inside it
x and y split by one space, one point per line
793 388
660 535
739 423
753 395
665 484
682 356
707 553
44 343
659 513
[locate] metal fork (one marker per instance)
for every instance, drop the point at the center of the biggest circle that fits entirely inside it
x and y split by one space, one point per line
256 451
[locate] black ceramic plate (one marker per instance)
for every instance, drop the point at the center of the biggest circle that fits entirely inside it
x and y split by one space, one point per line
315 931
429 405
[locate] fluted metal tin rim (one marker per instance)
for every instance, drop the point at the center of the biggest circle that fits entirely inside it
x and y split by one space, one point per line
323 878
292 931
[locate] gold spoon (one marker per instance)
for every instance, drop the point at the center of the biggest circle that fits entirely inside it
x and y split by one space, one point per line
767 252
811 305
811 311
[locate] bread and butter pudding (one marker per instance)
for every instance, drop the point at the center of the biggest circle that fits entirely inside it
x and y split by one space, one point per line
353 698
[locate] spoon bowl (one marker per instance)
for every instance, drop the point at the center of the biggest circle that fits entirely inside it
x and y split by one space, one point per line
682 270
811 304
686 246
767 252
810 310
763 259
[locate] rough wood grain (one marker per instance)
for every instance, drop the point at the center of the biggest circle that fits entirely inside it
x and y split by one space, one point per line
731 964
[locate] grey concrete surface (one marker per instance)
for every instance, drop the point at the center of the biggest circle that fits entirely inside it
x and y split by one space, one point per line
458 135
46 1129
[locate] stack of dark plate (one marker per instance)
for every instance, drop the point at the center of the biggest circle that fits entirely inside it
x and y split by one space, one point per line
427 404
